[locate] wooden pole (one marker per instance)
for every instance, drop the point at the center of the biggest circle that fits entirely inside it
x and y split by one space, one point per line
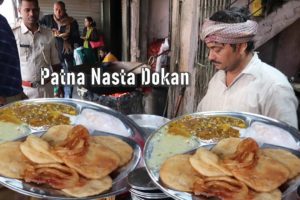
135 26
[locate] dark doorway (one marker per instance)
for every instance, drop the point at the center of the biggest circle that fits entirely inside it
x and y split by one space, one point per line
113 26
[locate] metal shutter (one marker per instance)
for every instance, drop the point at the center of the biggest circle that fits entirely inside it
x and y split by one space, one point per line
77 9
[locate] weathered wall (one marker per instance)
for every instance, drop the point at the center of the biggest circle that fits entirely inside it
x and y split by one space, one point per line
283 52
240 3
158 19
277 21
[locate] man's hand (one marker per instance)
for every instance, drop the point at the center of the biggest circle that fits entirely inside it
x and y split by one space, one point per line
55 32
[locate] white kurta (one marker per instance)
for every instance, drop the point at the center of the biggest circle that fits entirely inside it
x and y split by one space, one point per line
36 51
259 89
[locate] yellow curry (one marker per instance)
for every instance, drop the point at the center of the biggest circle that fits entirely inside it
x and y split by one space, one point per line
206 128
37 115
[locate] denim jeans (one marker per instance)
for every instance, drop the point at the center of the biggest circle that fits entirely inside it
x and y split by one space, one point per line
68 89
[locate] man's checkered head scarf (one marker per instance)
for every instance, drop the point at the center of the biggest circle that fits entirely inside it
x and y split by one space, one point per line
228 33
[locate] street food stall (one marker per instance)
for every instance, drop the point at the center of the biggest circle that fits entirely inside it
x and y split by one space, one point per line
104 147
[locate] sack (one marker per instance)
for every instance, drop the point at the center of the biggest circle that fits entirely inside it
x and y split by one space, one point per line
97 44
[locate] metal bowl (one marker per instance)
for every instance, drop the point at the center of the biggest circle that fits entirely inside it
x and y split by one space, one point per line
149 123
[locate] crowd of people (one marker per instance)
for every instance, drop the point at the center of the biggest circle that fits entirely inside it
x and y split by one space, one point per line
37 43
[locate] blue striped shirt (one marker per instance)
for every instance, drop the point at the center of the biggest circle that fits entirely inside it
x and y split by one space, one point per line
10 75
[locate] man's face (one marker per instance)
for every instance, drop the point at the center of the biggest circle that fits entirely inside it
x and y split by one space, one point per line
58 10
29 12
223 56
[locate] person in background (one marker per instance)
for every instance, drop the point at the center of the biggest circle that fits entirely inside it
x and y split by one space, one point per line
10 74
90 33
243 82
106 56
37 50
66 32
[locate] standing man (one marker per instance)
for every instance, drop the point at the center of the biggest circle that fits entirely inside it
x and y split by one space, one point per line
10 74
66 32
37 50
243 82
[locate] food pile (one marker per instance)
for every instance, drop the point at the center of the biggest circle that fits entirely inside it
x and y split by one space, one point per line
207 128
233 169
43 115
66 158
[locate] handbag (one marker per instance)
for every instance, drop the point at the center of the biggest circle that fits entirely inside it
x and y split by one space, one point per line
97 44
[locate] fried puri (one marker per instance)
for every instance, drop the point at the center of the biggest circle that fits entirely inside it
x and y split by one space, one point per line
177 173
38 151
207 163
56 175
286 158
12 163
259 172
121 148
96 163
56 134
226 146
273 195
89 187
223 187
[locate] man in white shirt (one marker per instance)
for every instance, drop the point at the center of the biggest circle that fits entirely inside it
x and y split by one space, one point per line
37 50
243 82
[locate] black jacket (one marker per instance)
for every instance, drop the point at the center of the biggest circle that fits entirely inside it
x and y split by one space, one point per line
74 37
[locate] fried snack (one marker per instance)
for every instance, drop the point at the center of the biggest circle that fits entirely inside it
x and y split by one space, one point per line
177 173
226 147
56 175
76 143
225 188
89 187
258 171
38 150
56 134
96 163
121 148
207 163
286 158
12 163
244 156
273 195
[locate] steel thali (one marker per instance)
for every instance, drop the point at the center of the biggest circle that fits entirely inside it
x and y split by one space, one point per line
131 134
266 131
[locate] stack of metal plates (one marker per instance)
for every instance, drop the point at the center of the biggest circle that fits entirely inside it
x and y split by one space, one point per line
142 186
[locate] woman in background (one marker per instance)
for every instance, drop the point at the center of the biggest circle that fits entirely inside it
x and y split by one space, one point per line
90 33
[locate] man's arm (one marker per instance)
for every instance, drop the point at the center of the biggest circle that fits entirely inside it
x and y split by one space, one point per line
281 103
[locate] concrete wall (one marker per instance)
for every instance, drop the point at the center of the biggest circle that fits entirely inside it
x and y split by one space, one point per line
158 19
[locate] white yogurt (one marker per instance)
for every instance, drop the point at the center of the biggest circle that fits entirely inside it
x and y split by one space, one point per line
269 134
95 120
